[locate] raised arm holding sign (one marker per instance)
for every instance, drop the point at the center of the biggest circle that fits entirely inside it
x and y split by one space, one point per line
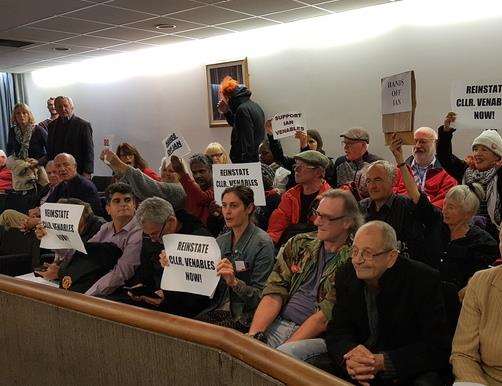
287 124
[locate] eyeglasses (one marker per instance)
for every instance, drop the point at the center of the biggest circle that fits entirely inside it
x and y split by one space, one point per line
302 167
350 142
216 155
325 217
157 237
423 141
366 254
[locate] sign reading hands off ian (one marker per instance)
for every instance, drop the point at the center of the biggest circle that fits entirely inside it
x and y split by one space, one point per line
61 223
192 264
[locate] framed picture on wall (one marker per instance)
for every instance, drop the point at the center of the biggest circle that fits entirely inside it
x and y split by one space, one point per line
215 74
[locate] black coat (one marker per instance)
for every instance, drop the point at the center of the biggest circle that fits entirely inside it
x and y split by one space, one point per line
37 147
412 321
248 120
73 137
78 187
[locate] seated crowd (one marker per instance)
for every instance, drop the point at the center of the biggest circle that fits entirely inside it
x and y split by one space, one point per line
379 272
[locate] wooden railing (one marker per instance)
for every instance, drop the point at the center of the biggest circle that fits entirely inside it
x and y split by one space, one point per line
255 354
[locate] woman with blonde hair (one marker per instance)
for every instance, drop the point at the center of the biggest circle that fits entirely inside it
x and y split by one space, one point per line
217 153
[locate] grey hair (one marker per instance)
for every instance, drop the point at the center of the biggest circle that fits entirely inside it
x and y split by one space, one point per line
72 158
350 207
387 233
390 169
467 197
62 97
203 159
154 209
427 130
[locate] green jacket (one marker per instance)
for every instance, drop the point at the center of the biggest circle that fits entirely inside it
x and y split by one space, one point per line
296 263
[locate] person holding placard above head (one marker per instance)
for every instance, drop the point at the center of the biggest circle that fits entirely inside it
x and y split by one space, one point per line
427 172
247 260
309 140
199 190
355 143
143 186
295 211
217 153
483 168
465 248
476 354
246 118
129 155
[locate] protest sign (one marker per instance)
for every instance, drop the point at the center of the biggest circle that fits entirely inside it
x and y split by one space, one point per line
192 264
175 144
61 223
478 104
398 106
287 124
248 174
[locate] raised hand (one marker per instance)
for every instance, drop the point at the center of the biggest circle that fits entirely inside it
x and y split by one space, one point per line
396 147
177 165
450 118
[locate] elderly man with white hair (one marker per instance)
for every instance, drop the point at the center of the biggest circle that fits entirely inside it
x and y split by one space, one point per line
426 170
71 134
389 323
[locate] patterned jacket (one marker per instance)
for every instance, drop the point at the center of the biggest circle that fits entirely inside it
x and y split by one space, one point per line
296 263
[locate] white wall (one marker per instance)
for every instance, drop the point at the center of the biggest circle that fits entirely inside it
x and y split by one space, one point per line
336 87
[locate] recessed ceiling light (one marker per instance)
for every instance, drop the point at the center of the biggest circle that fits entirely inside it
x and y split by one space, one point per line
61 49
165 26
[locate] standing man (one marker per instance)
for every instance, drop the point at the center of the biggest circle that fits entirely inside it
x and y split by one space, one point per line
52 110
247 119
428 173
71 134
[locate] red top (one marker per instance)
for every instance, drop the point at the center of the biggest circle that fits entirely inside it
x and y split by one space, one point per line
197 200
5 178
151 173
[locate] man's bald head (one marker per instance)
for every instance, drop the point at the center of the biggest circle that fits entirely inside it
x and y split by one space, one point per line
66 166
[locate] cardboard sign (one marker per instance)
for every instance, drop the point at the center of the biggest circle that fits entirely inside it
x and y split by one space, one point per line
228 175
398 106
287 124
396 93
61 222
176 145
478 104
192 264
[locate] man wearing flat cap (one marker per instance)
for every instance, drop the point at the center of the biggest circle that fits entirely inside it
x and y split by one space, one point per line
355 143
294 214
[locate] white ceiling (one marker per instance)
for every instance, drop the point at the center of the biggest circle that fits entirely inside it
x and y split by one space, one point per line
94 28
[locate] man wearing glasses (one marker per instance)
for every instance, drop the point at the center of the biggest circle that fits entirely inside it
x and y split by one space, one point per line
297 301
294 213
389 323
428 173
355 143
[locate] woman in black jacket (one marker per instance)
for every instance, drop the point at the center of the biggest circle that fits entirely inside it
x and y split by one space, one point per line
484 169
466 248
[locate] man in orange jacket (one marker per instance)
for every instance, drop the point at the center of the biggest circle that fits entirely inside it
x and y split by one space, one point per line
297 203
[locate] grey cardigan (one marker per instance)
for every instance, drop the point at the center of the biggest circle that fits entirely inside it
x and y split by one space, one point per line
144 187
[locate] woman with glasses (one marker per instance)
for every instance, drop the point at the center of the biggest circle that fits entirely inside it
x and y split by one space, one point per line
217 153
465 247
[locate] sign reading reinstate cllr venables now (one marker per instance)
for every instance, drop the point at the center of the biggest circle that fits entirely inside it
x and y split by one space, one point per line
61 223
192 264
287 124
477 103
175 144
248 174
397 93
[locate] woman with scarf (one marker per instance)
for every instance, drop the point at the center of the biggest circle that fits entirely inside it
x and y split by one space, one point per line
484 169
26 148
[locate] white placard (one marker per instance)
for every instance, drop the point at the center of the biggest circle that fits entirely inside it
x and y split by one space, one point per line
175 144
192 264
477 103
228 175
61 223
396 93
287 124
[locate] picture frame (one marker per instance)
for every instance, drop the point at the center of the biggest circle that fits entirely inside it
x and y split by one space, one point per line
215 73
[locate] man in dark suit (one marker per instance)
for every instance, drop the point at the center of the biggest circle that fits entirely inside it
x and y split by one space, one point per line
71 134
389 324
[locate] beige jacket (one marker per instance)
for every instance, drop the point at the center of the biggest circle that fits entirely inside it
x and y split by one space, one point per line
23 176
477 345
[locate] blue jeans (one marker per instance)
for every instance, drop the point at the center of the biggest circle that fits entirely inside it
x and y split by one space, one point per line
305 350
280 331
